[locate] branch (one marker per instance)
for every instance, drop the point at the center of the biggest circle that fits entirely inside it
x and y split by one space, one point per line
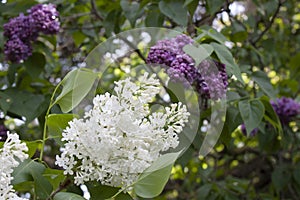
133 47
268 26
95 11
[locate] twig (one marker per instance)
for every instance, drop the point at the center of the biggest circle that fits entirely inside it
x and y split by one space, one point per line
268 26
95 11
62 186
130 44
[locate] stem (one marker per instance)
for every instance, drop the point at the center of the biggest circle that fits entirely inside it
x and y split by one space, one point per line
46 120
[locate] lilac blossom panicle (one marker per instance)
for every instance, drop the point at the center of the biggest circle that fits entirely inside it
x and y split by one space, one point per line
11 154
24 29
45 18
16 50
20 27
3 132
209 83
286 109
119 137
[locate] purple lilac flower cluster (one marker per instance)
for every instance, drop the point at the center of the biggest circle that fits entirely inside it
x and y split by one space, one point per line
22 30
3 133
286 109
210 82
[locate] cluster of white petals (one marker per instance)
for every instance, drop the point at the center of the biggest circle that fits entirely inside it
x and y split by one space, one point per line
12 153
119 137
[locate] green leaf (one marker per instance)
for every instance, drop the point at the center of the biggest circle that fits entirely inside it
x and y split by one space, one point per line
42 186
252 112
226 57
203 191
154 18
57 123
281 176
25 103
152 181
131 10
35 64
264 83
33 146
198 53
214 5
175 10
296 173
5 102
76 86
270 115
54 176
23 172
67 196
105 192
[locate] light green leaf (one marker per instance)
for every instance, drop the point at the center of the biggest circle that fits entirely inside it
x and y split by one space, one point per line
67 196
33 146
152 181
263 81
76 86
23 172
226 57
198 53
175 10
58 122
252 112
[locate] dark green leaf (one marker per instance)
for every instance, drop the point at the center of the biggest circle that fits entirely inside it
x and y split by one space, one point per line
26 104
281 177
131 10
270 114
175 10
42 186
23 172
203 191
214 5
54 176
5 102
35 64
264 83
226 57
252 112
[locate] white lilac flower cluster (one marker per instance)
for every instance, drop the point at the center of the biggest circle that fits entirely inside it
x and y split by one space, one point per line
12 153
119 137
